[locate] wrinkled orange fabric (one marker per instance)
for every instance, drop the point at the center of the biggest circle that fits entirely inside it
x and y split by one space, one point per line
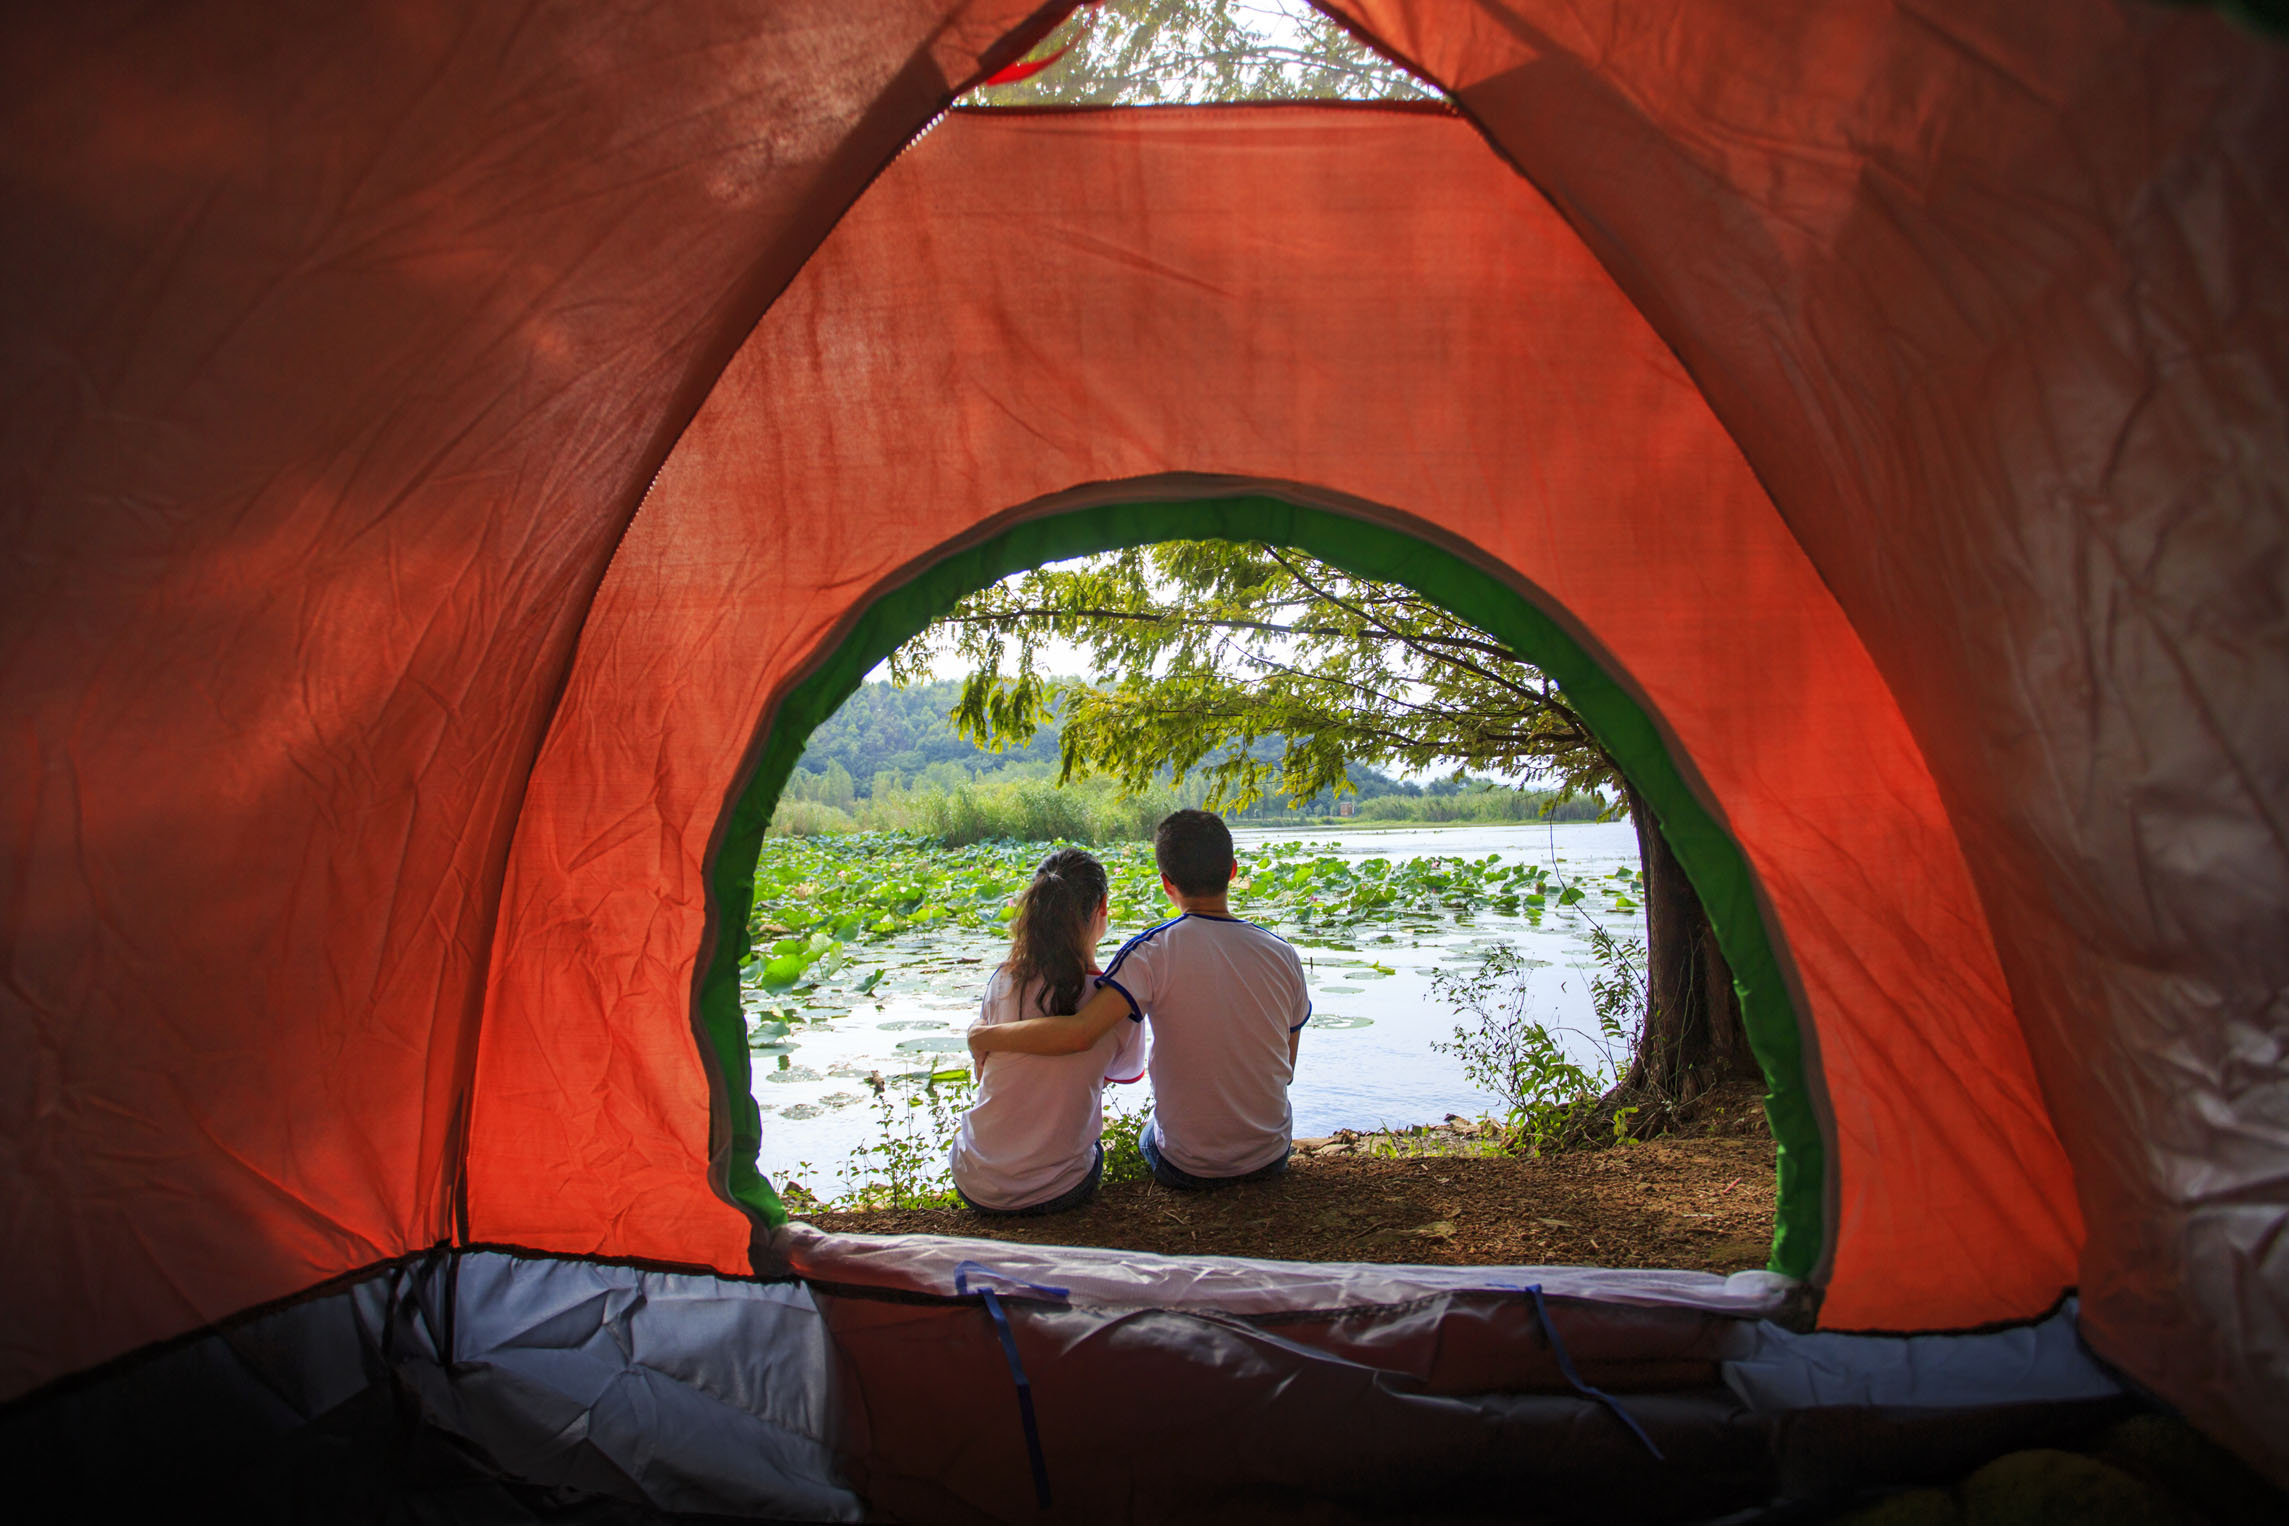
1995 298
1362 301
340 343
337 346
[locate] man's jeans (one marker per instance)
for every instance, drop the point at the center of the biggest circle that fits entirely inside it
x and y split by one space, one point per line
1169 1175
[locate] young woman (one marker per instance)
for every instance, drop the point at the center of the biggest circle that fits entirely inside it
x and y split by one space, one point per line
1029 1144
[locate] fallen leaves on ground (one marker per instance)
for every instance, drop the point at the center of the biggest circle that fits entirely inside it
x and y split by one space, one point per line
1705 1204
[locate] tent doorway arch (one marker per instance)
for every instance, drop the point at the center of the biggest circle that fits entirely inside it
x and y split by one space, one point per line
1367 541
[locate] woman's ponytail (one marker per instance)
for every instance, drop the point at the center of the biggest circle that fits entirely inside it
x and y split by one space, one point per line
1048 936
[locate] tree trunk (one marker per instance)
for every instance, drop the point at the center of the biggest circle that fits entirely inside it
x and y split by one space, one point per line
1693 1037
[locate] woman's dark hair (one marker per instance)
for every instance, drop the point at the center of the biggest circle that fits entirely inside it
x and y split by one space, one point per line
1046 937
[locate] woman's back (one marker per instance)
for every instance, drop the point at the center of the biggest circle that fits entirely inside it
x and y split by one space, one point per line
1032 1134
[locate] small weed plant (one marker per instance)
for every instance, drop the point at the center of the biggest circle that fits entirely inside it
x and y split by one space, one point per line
1124 1157
1550 1094
905 1165
1617 989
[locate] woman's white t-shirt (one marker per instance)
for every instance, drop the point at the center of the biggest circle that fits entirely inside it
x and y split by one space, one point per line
1032 1133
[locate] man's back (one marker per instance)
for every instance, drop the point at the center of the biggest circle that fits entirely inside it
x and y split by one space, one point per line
1223 997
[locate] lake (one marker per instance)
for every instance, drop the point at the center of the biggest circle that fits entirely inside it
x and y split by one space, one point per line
1366 1060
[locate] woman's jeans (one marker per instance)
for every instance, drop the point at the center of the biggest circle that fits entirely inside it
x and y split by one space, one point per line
1064 1202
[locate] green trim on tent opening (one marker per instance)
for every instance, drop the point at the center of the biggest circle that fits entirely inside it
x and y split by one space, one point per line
1710 857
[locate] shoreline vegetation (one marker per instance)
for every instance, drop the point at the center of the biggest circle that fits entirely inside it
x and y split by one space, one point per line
891 761
999 807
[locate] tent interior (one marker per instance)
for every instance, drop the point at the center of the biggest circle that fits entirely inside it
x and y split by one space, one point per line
456 457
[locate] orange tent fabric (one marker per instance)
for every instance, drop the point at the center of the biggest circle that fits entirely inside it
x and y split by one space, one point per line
1992 298
339 348
1191 295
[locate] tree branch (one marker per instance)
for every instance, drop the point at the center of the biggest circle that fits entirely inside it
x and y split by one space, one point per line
1405 638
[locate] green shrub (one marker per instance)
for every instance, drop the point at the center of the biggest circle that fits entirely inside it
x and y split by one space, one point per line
1034 810
1020 805
1489 805
1523 1060
809 818
1124 1156
905 1162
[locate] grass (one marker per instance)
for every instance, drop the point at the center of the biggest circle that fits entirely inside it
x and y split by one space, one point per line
1020 809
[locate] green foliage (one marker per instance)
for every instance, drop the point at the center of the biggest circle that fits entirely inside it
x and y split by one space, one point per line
1618 988
1202 650
783 965
1022 806
905 1164
1037 810
1124 1156
1485 802
1029 806
1506 1050
1137 52
1516 1056
920 774
808 818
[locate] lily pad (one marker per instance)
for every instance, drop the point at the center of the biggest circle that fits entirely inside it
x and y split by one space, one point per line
802 1110
909 1025
1331 1020
1343 990
792 1073
934 1046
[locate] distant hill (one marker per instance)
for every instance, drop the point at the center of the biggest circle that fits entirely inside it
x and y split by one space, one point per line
905 730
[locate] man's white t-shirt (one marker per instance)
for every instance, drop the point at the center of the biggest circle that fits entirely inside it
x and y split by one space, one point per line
1223 995
1032 1133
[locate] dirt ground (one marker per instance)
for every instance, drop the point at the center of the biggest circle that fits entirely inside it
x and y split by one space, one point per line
1699 1203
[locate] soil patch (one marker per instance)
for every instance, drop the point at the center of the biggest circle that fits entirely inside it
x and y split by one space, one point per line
1700 1203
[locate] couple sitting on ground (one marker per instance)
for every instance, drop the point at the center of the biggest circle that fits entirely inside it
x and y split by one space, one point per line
1227 1004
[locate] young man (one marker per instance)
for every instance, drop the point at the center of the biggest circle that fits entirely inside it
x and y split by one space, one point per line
1227 1002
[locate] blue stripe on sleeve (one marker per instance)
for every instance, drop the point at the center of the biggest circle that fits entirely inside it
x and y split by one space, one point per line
1136 1013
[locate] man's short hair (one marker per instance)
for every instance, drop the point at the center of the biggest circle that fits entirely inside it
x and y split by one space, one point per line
1194 852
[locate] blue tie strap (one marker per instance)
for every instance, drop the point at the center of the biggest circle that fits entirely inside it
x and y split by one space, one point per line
1533 1292
1000 1319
